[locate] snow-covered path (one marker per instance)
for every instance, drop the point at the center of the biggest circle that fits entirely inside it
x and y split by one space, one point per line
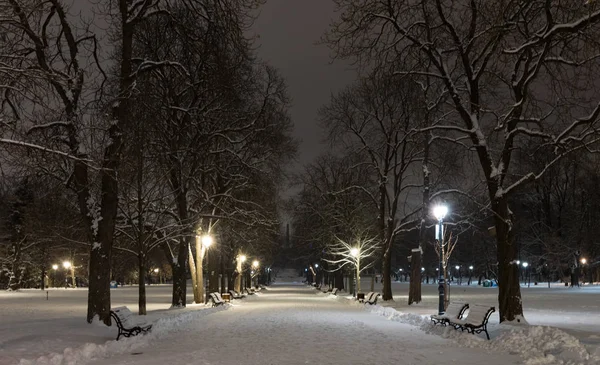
292 324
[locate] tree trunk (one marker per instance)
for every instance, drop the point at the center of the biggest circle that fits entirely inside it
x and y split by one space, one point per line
339 279
14 277
43 278
238 278
387 270
222 275
179 276
193 274
201 251
99 277
509 290
142 284
213 264
414 291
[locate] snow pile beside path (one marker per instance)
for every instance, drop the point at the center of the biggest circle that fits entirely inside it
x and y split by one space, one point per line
162 328
537 345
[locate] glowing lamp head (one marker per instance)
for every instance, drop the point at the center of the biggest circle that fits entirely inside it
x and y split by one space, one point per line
54 267
583 261
242 258
401 270
207 241
156 270
422 269
255 263
457 267
471 267
354 252
66 264
440 211
525 264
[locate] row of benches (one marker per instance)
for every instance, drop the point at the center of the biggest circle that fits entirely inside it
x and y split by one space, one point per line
476 319
128 327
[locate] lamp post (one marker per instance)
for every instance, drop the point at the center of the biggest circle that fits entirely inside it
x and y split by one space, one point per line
206 242
54 267
67 265
525 265
583 262
470 274
439 213
157 276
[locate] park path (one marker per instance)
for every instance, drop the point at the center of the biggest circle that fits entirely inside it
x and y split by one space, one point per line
292 324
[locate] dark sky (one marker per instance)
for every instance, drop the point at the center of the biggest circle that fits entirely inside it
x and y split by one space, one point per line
288 31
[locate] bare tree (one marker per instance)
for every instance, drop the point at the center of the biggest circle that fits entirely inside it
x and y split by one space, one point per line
379 121
493 63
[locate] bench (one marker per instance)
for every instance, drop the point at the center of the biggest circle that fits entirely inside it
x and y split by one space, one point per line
455 310
476 320
216 299
236 295
372 299
126 323
368 296
249 291
334 291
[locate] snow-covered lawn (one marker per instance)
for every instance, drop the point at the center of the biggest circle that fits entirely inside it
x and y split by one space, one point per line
291 324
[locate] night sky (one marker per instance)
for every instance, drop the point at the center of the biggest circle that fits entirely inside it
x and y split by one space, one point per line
288 31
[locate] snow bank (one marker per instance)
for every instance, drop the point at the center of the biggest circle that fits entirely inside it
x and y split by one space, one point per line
537 345
161 329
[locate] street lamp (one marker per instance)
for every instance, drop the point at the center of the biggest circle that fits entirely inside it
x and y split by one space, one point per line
525 264
67 265
355 252
583 261
54 267
470 274
207 241
439 212
458 278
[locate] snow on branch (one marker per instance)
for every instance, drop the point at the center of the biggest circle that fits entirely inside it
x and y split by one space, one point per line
46 149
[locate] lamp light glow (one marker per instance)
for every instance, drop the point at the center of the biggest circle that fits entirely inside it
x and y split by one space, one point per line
354 252
583 261
66 264
525 264
207 241
440 211
55 267
242 258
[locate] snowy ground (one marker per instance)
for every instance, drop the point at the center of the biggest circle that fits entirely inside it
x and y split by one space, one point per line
288 324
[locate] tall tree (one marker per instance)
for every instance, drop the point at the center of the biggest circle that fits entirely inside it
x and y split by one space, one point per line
510 73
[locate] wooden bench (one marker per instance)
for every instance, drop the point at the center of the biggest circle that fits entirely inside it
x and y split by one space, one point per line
216 299
455 310
367 296
476 320
126 323
334 291
236 295
372 299
249 291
